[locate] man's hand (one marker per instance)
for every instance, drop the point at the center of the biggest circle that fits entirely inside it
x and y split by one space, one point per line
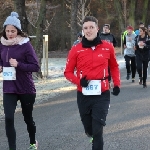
84 82
116 91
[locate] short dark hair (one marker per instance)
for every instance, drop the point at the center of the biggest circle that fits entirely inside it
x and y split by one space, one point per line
106 25
90 18
141 23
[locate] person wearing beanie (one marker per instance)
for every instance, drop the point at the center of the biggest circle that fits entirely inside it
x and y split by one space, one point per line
17 62
129 53
79 36
90 59
142 47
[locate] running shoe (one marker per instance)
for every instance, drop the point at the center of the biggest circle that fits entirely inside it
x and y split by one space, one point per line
91 140
144 85
133 80
128 76
33 146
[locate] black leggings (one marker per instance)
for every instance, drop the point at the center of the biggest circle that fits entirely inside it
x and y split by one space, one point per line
94 128
10 103
130 67
142 67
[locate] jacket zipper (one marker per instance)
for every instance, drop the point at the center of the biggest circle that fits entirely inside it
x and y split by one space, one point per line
7 55
104 77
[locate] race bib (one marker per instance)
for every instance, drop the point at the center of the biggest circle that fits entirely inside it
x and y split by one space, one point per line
9 73
129 45
94 88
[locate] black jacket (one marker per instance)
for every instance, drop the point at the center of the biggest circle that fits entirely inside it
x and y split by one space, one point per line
108 37
142 53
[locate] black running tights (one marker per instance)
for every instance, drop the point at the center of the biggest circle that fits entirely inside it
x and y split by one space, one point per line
94 128
10 103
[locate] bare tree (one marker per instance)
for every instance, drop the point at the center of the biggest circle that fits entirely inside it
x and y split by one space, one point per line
74 8
39 33
83 10
19 6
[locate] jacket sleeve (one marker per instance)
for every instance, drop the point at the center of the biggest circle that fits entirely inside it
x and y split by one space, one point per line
114 41
70 67
114 68
136 43
31 60
147 44
124 41
1 62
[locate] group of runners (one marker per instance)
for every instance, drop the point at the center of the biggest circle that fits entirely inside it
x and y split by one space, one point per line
136 52
89 64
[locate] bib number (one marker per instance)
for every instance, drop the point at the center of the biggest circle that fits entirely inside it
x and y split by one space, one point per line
94 88
9 73
129 45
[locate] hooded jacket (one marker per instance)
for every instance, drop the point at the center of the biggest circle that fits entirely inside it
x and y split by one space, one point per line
27 63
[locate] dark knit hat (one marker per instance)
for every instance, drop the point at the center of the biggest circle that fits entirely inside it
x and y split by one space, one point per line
79 34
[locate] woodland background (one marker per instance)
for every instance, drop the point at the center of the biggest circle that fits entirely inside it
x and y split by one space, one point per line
62 19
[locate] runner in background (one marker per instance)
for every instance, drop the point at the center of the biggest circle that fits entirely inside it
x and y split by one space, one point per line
141 24
106 35
129 53
79 36
142 47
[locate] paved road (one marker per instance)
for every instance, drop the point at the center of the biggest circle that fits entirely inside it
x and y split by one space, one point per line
59 126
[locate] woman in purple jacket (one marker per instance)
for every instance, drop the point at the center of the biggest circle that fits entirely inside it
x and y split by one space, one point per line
17 62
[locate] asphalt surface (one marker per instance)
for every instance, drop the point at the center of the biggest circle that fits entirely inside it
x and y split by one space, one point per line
59 126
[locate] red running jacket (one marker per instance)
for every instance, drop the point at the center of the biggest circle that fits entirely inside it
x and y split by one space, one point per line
93 64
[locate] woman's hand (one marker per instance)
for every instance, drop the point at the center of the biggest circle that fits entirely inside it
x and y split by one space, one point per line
13 62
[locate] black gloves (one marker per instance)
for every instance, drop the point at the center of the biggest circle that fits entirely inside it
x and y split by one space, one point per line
116 91
84 82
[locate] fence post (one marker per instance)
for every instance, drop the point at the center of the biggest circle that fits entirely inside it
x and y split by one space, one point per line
45 54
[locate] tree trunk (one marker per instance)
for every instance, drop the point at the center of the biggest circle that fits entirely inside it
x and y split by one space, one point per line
132 13
62 47
20 9
145 9
74 7
39 34
118 8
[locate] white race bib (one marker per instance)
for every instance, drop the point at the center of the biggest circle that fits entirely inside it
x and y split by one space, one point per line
129 45
94 88
9 73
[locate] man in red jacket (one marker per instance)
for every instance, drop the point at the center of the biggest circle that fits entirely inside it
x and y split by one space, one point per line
91 59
